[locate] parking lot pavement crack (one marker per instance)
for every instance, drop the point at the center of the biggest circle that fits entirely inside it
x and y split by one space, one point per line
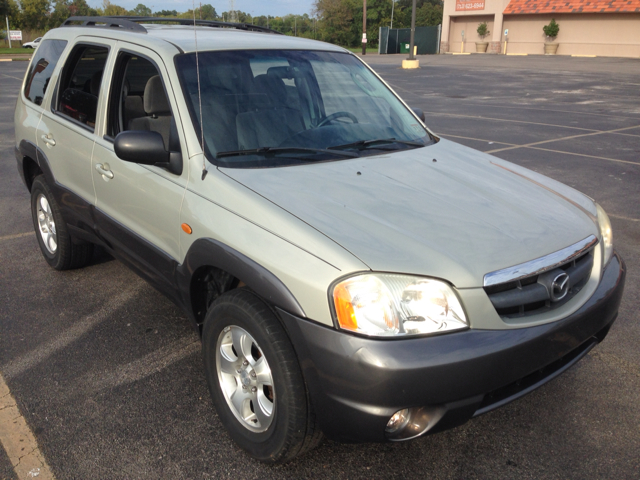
617 363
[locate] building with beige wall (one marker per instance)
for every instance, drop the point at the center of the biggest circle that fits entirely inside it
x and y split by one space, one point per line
587 27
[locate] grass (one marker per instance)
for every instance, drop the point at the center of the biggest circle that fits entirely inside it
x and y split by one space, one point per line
359 50
16 50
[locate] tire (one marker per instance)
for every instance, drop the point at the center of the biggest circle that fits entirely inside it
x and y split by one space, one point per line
51 230
239 318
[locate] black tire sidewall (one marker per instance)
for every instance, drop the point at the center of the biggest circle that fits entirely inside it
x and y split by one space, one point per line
273 444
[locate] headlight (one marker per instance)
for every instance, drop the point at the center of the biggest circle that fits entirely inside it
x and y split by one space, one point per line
387 305
606 233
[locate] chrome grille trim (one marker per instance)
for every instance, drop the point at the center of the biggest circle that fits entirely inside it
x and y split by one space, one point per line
542 264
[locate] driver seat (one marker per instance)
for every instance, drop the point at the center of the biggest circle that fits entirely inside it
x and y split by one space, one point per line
271 126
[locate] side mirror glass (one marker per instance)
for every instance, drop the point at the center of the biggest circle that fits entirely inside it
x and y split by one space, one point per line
139 146
419 113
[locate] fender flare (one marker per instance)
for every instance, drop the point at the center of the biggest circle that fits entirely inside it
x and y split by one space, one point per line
210 252
31 150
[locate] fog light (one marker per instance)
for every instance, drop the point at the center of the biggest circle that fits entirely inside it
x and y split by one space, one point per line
398 421
410 423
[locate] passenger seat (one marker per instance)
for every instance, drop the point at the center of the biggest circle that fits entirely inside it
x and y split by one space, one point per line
158 110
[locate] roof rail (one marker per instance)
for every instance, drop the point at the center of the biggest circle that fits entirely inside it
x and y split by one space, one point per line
132 23
205 23
104 22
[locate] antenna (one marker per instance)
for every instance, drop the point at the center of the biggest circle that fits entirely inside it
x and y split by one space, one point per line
195 36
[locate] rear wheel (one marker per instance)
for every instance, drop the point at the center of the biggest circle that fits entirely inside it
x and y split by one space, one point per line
255 379
51 230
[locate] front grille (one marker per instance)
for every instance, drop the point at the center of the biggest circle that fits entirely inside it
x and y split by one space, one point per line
541 292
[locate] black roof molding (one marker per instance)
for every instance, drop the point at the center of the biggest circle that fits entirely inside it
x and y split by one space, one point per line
103 22
133 23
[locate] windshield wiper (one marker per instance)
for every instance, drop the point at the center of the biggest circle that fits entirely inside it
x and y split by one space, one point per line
362 144
274 150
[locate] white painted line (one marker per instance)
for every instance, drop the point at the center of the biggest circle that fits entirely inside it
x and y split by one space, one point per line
583 155
17 235
10 76
481 117
18 441
624 218
565 138
82 326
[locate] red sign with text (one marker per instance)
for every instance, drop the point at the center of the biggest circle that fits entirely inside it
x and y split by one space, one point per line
469 5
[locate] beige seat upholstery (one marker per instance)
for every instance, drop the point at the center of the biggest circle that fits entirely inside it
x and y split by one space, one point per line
158 111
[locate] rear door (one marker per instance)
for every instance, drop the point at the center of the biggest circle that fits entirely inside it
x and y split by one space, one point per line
66 132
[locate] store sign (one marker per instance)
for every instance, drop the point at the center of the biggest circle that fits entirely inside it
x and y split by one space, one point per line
15 34
464 5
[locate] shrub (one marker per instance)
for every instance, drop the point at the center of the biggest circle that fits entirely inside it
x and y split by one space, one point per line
552 29
482 30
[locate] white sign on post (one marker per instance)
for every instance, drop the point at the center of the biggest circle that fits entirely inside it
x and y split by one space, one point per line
15 35
506 32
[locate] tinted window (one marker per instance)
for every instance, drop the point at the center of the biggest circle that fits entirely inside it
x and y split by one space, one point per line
81 82
41 68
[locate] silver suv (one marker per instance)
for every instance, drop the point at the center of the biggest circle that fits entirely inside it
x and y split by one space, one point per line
350 273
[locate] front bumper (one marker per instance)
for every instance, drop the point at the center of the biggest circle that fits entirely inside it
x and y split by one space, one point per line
356 384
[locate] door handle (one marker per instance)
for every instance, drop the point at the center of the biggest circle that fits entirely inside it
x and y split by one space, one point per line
48 139
105 171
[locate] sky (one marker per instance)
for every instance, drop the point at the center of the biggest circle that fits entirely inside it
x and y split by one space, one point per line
254 7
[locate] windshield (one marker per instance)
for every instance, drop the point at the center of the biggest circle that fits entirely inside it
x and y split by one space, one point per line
266 108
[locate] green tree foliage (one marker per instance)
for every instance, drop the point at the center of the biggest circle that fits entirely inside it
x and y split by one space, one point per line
11 9
34 14
141 11
552 29
340 21
167 13
81 8
110 9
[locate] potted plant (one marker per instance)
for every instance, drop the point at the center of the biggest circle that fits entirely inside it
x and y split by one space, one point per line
483 31
551 32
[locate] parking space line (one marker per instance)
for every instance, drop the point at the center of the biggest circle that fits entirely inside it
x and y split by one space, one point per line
479 117
581 155
483 105
10 76
539 148
620 217
565 138
18 440
17 235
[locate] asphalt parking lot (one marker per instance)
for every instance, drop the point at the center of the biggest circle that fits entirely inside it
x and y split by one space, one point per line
107 372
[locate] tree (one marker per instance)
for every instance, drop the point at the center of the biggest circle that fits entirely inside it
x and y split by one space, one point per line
207 12
167 13
141 11
60 13
35 14
110 9
80 8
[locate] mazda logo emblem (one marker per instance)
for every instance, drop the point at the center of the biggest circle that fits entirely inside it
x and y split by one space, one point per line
559 287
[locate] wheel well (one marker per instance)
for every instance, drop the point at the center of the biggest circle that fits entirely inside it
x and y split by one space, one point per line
31 170
207 284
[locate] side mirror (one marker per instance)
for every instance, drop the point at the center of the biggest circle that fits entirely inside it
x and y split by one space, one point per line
419 113
146 148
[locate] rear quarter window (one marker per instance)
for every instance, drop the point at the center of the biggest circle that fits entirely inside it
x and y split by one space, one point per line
42 66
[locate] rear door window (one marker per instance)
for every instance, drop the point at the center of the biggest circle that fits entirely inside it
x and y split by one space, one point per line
80 84
44 63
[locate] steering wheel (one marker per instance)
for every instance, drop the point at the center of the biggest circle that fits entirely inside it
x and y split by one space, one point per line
336 115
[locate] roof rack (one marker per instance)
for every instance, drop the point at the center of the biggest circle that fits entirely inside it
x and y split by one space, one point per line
103 22
132 23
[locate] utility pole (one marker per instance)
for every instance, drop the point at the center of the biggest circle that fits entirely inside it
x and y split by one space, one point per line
393 4
413 31
8 32
364 27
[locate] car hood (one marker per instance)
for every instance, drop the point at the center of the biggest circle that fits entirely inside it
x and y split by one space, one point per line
445 211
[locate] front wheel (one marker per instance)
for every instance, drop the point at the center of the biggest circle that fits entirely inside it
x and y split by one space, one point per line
255 379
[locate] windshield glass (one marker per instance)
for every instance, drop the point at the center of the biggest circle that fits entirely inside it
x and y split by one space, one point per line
266 108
